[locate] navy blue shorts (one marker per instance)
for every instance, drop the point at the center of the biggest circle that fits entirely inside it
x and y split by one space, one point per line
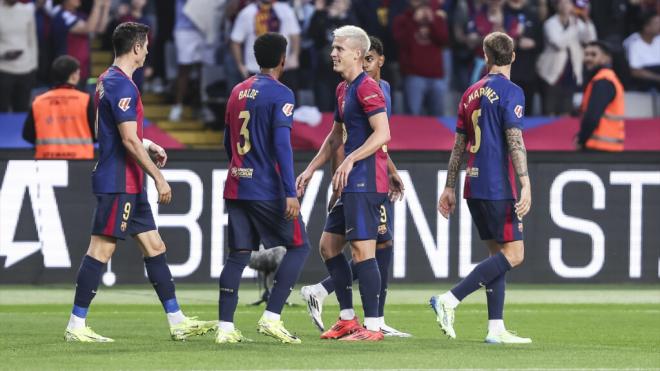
496 220
121 214
252 222
361 216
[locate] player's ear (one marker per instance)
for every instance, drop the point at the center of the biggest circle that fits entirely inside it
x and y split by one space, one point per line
381 61
283 60
513 57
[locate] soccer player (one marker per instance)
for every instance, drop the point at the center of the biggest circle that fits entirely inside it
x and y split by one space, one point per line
362 181
314 295
118 182
490 127
260 190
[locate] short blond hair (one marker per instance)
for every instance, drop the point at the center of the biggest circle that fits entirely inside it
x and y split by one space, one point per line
498 47
356 34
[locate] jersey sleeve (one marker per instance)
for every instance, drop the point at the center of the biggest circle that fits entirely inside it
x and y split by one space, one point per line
460 117
371 97
283 109
337 116
513 109
123 100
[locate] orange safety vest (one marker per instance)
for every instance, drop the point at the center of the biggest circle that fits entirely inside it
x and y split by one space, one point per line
609 133
61 125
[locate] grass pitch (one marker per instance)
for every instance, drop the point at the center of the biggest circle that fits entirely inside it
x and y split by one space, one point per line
598 332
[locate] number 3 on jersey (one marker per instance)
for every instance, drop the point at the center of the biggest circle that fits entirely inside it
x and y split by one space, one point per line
477 131
245 133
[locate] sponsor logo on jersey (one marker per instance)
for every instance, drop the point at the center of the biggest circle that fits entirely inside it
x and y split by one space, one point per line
518 111
472 172
287 109
242 172
124 104
382 229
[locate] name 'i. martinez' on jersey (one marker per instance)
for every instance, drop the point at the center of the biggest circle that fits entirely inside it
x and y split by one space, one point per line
487 109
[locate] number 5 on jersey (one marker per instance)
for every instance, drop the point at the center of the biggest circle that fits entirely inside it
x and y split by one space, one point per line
477 131
245 133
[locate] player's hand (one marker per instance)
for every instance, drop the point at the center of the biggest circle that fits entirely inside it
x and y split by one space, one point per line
301 182
292 208
164 192
333 200
158 154
340 179
396 188
447 202
524 202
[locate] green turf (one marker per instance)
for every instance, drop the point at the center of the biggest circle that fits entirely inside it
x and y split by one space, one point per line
599 335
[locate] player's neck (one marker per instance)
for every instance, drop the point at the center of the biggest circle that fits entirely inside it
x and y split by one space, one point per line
352 74
502 70
272 72
126 66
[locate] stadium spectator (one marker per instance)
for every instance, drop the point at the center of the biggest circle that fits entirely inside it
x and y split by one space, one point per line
70 31
462 53
257 19
560 63
18 55
602 126
61 121
609 17
421 34
644 54
190 44
489 17
376 17
528 46
327 17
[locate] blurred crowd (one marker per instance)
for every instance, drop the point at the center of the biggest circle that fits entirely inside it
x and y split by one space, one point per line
200 48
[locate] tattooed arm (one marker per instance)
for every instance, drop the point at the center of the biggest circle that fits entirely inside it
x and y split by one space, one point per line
514 141
447 202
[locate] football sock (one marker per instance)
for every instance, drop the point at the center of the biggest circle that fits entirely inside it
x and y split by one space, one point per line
481 275
226 326
449 299
75 322
495 290
369 283
271 316
329 286
286 276
87 282
341 274
174 318
496 326
230 278
347 314
372 324
384 258
160 277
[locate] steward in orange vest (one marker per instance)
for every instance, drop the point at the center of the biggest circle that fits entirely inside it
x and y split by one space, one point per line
61 121
602 126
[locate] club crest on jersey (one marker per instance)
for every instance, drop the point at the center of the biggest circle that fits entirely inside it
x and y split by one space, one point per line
124 104
287 109
518 111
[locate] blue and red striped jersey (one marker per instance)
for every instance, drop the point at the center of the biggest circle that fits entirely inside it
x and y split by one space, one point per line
117 101
356 102
387 93
256 107
486 110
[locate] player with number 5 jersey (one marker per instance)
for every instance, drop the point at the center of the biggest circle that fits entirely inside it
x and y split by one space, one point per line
260 190
490 128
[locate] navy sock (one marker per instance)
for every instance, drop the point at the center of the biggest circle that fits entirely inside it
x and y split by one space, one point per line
87 282
341 274
230 278
384 258
369 282
161 278
286 276
481 275
329 286
495 297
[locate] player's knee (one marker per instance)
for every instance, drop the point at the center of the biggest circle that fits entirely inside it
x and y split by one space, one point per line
516 257
158 249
